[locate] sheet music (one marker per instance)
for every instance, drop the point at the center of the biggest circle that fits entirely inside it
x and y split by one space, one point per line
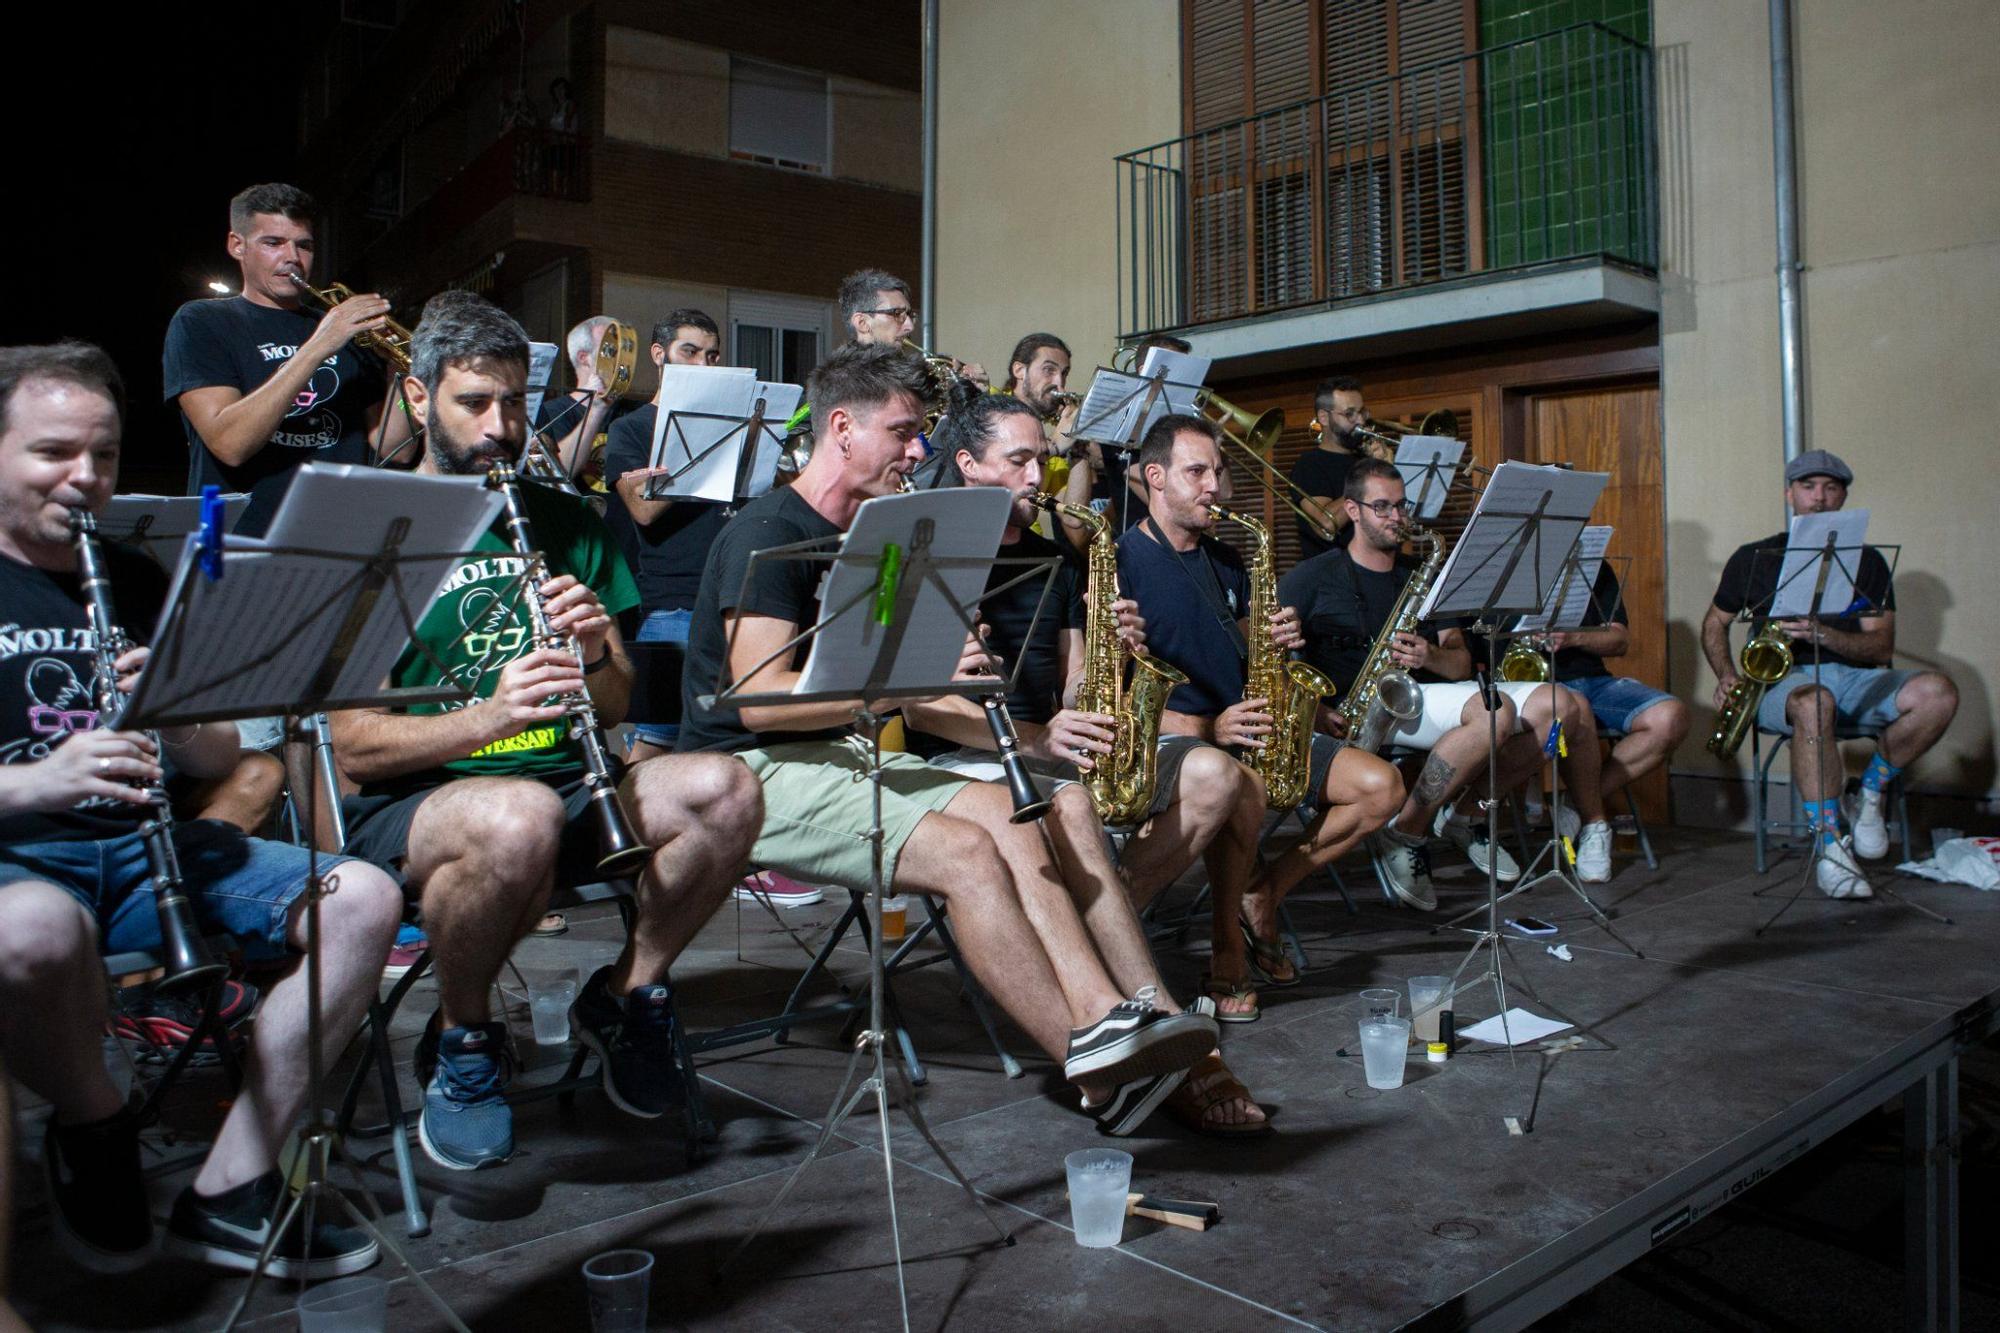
1574 599
1179 367
778 402
1798 577
156 523
351 509
1467 583
926 641
541 369
1118 408
1427 463
698 433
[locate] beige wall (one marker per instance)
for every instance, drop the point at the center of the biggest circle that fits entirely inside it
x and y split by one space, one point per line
1036 99
1900 215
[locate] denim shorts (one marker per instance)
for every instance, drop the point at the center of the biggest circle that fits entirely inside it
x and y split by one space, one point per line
1864 698
662 627
240 886
1615 700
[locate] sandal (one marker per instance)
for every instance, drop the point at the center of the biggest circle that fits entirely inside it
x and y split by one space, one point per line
1232 990
551 925
1209 1085
1264 955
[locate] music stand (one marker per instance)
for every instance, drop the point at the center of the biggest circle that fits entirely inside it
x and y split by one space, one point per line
1514 548
1118 407
355 618
1429 466
885 589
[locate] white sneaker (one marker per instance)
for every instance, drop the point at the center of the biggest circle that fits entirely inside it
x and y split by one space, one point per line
1568 825
1839 875
1871 830
1593 854
1408 870
1473 840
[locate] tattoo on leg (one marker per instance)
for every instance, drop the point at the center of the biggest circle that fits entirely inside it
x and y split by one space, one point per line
1434 781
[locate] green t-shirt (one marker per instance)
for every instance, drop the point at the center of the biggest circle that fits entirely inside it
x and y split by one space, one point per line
480 623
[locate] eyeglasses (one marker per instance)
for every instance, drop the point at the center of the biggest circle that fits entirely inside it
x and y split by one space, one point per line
1384 508
894 312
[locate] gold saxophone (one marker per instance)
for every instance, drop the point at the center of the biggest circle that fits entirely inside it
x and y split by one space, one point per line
1291 689
1120 783
1384 695
1766 660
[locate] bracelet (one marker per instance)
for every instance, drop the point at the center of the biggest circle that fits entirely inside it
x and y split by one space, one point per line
602 662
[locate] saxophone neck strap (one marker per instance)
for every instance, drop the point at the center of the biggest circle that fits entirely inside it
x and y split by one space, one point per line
1206 584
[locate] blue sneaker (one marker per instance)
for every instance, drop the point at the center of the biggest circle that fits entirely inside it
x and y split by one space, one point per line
634 1040
466 1122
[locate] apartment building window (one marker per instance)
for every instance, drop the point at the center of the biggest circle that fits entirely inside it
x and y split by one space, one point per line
780 338
778 116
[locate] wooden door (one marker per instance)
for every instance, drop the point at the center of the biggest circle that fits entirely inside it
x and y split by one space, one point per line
1617 430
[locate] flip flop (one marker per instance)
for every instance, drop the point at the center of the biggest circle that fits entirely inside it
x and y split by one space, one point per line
551 925
1233 990
1263 954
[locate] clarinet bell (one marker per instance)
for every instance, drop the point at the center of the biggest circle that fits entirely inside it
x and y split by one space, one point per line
1029 803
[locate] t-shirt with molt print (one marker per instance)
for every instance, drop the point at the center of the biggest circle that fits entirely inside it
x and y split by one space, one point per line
229 342
48 680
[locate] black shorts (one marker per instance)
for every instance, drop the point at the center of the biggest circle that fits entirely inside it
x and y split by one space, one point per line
1174 750
378 825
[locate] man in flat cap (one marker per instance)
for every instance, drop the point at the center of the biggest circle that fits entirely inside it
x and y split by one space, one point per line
1854 685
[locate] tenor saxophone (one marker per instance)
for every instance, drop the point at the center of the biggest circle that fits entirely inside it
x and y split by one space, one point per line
1292 690
1383 695
1121 783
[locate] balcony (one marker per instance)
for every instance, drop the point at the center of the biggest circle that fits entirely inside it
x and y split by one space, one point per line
1516 157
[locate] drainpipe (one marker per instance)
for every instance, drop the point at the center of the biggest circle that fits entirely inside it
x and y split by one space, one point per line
1791 353
929 277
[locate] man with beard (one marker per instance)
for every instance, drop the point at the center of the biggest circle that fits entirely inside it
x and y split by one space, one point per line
482 807
1321 472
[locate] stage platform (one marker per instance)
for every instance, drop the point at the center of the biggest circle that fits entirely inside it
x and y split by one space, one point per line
1705 1067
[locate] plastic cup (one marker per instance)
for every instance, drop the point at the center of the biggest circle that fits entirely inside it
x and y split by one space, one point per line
549 1003
1380 1002
618 1282
1099 1179
345 1305
1425 993
1385 1045
895 918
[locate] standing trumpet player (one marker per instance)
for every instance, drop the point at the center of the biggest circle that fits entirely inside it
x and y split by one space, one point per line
76 878
1854 684
481 806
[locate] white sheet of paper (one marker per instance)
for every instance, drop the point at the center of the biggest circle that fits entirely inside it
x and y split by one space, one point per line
1467 582
1427 463
966 521
1117 408
349 507
1574 598
1799 575
779 402
1180 367
541 367
156 523
698 431
1522 1026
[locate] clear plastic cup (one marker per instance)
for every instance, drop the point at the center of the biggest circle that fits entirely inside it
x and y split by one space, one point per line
618 1282
1380 1002
1385 1046
549 1003
1427 993
895 918
1099 1179
345 1305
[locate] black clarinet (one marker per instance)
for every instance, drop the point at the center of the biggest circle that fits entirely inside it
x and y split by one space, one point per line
1029 803
184 953
623 854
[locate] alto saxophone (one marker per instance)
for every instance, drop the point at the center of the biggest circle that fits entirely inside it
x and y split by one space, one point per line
1766 660
1383 695
1121 783
1292 690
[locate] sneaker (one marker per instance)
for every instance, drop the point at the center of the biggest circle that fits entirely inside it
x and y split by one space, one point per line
1839 876
1134 1040
779 890
1568 823
97 1194
1127 1108
1476 841
1408 871
1871 830
634 1041
1593 854
230 1229
156 1025
466 1122
403 957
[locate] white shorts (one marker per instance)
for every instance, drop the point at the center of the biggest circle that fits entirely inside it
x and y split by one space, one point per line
1444 704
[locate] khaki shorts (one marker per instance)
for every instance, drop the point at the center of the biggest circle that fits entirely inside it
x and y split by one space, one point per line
819 806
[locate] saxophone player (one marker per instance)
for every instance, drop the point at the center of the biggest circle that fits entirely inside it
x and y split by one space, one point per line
481 805
1195 594
1345 597
1854 686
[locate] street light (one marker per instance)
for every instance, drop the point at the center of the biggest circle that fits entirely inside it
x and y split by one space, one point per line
219 288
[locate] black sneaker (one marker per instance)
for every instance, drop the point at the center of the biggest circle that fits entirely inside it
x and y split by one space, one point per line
1127 1108
230 1229
634 1041
97 1193
1134 1040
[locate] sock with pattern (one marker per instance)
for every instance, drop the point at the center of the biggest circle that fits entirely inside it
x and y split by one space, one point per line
1824 816
1879 775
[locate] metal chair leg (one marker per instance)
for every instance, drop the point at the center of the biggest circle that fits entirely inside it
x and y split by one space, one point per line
1639 826
975 994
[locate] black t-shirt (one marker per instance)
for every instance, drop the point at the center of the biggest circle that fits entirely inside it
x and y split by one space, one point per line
667 554
1581 663
1342 607
1319 472
48 671
234 343
1750 579
786 590
1191 601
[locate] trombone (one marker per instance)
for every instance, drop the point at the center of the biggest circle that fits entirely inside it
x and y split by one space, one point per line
1250 436
1441 421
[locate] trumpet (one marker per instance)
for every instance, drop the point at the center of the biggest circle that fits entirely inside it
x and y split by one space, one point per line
946 383
1250 436
391 342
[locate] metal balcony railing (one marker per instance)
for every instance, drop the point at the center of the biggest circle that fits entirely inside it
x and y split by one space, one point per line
1534 151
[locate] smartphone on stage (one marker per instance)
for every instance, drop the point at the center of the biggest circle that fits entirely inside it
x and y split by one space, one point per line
1531 925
